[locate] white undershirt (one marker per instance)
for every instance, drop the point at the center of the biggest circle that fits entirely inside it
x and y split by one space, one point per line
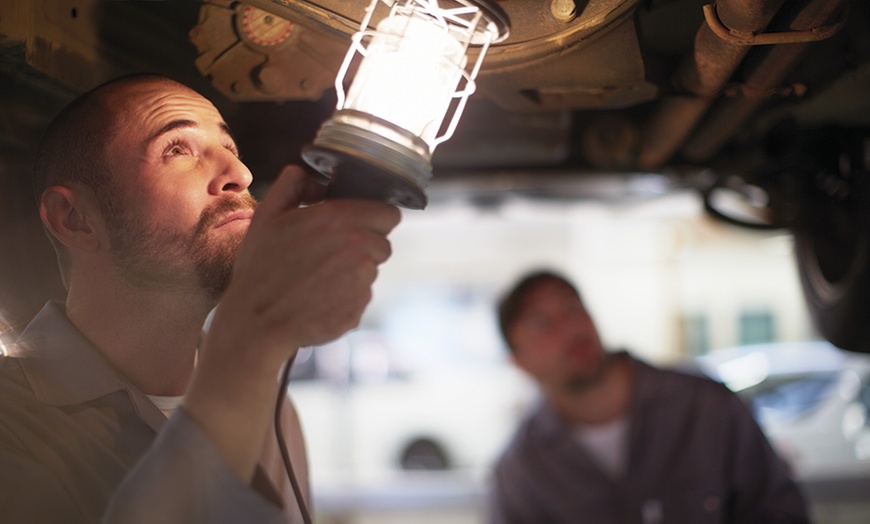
606 444
167 405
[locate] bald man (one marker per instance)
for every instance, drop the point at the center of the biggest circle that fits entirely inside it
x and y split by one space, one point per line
146 202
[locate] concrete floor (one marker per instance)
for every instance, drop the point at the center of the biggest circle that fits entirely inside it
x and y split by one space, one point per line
404 517
421 503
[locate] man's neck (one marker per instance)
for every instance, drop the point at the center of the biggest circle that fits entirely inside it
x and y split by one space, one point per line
598 402
149 336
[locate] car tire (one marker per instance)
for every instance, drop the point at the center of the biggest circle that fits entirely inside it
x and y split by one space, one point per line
832 248
424 455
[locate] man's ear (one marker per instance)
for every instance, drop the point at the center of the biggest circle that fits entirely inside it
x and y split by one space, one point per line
71 217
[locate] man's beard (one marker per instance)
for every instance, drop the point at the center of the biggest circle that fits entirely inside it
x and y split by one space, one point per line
582 381
151 256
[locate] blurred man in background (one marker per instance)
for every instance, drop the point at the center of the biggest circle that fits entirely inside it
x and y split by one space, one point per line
617 440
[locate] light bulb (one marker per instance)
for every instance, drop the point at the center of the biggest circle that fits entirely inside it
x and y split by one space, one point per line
413 72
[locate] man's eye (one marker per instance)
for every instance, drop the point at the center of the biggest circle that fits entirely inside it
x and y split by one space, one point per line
234 150
538 323
175 149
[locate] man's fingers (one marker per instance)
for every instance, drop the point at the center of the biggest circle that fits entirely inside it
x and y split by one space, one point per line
292 188
374 215
380 248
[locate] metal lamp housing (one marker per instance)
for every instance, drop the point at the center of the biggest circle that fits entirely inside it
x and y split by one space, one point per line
409 90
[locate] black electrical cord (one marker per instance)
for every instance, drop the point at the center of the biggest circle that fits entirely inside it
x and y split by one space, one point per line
285 454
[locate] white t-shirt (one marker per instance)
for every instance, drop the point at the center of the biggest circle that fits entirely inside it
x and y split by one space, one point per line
167 405
606 443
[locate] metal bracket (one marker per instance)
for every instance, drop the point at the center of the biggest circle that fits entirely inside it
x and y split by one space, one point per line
785 37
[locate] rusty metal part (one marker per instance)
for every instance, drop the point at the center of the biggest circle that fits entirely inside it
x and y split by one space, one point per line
766 77
252 54
564 10
797 90
342 18
610 141
702 76
663 134
604 72
337 17
736 37
66 40
592 61
552 61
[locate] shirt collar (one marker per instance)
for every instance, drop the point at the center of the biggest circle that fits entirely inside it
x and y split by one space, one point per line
551 424
63 368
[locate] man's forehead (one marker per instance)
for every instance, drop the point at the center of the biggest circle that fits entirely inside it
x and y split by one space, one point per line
548 288
150 106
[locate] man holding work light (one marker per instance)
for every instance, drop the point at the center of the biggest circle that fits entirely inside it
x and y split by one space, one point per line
146 201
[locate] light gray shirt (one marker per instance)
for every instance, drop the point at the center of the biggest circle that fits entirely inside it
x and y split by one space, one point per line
72 428
695 455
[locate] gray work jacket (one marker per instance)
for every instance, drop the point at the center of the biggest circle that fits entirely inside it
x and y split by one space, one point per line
72 428
695 455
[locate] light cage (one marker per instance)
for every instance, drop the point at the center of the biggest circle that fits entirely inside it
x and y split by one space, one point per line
413 77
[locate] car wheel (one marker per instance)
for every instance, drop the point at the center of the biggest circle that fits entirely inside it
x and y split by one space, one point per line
832 246
424 455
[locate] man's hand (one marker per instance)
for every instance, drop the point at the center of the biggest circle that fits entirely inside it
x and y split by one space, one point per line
303 276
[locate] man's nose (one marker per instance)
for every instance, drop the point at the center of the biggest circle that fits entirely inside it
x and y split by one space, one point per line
570 325
232 174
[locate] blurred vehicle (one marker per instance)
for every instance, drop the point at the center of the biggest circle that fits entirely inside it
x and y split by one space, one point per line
813 402
372 417
760 105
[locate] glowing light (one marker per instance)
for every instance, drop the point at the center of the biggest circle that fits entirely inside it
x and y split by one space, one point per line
412 81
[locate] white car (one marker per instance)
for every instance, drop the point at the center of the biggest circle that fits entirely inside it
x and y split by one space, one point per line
374 421
813 402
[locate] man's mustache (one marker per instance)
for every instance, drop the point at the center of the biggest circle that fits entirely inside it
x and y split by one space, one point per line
217 211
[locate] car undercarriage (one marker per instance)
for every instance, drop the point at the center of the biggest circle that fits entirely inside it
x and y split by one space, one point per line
762 106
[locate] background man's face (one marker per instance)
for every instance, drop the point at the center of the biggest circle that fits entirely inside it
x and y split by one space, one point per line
554 339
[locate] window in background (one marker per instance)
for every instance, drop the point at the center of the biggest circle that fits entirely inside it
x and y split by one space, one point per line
696 334
757 327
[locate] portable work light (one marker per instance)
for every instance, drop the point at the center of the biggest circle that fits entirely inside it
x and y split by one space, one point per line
413 78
